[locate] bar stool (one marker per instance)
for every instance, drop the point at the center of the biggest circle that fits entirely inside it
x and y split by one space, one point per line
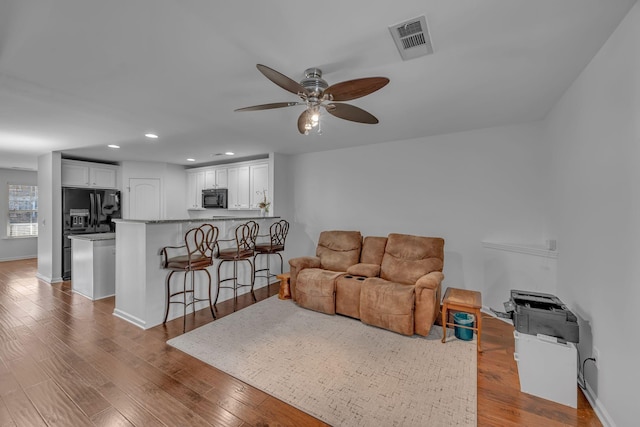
241 250
277 236
199 244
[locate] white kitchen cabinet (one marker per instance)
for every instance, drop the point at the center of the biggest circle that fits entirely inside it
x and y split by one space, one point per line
195 185
215 178
86 174
102 177
239 187
259 182
243 180
222 178
210 179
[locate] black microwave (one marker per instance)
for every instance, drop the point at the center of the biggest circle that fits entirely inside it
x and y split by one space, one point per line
214 198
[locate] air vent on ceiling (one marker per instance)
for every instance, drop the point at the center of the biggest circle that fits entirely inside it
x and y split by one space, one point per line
412 38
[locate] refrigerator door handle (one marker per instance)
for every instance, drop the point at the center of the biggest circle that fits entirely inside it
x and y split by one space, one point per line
98 209
92 210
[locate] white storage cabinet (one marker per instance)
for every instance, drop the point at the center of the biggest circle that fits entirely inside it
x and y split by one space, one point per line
87 174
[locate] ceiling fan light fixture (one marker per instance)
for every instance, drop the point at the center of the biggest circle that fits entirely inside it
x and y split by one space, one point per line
315 92
312 119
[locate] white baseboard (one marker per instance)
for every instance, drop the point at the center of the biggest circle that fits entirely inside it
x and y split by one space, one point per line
129 318
598 407
50 280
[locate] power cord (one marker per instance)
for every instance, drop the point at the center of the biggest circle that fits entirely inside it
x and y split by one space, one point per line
581 381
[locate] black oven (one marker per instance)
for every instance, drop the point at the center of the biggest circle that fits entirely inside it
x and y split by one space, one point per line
214 198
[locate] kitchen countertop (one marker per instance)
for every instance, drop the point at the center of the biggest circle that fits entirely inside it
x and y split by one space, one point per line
172 221
94 237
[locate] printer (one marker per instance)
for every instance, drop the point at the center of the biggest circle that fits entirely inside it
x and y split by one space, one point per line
536 313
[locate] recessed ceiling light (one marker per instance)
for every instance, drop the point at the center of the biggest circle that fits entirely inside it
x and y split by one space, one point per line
151 135
191 160
113 146
229 153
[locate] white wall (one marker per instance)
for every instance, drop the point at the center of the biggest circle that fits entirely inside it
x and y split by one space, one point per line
467 187
21 248
595 130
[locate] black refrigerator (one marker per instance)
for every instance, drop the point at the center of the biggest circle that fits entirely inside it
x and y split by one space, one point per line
86 211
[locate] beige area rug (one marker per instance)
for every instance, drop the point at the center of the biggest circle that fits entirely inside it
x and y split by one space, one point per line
340 370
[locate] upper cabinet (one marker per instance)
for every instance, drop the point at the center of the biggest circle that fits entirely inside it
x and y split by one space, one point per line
258 183
87 174
222 178
243 180
215 178
238 184
195 185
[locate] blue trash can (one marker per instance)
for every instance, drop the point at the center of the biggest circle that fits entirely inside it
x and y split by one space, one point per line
463 319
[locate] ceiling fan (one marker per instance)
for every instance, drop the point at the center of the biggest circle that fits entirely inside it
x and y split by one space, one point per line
315 93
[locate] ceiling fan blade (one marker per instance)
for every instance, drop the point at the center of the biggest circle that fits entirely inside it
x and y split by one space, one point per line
268 106
281 80
351 112
303 120
352 89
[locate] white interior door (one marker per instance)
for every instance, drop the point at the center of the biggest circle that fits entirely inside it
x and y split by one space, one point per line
144 198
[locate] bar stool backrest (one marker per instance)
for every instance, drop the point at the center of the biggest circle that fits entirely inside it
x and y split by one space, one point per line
278 233
201 241
246 236
253 230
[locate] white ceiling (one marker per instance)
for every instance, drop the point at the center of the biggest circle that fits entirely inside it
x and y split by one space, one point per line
76 75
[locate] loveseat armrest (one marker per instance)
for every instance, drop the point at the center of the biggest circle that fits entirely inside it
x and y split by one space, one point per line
427 291
430 280
364 269
296 266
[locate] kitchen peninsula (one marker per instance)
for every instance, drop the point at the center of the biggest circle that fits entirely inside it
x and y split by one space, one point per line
140 277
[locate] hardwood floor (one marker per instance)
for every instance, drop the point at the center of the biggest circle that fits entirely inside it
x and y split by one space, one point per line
67 361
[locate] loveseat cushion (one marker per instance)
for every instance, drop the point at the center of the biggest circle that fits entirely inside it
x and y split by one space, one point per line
373 250
407 258
316 288
339 250
365 270
388 305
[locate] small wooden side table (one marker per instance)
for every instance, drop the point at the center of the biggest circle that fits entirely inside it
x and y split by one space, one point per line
466 301
285 287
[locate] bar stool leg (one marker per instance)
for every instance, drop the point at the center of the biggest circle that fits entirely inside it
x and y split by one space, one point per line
184 299
235 285
218 283
209 294
168 283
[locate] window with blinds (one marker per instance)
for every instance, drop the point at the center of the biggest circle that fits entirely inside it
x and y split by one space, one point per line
23 211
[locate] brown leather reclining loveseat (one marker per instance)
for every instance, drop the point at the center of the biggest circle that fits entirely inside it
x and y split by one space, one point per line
391 282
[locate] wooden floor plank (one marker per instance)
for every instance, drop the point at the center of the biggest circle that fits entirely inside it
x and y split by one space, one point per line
66 360
131 410
22 410
6 420
110 418
83 395
54 405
